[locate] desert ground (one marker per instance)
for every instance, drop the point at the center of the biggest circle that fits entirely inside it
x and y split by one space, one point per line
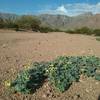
19 48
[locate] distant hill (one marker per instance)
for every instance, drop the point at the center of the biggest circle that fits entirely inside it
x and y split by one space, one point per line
55 21
63 21
66 22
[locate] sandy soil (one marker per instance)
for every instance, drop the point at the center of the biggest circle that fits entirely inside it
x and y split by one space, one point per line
19 48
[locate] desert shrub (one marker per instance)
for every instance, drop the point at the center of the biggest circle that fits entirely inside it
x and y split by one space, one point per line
89 65
16 27
62 72
97 76
29 80
28 22
97 32
90 71
57 30
9 23
46 29
98 38
70 31
1 23
84 30
35 26
24 22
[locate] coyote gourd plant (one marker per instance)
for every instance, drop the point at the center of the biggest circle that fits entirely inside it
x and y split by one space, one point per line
89 65
62 72
29 80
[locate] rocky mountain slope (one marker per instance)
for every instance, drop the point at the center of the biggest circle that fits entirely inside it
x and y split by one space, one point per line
63 21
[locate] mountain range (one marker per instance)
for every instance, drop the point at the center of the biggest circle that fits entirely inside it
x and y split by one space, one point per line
63 21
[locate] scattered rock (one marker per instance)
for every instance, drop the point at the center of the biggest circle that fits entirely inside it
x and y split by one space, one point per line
46 85
4 45
87 90
17 60
44 95
97 83
39 43
7 58
76 97
40 55
81 78
91 51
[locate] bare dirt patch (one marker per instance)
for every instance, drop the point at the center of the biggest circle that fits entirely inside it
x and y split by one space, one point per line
19 48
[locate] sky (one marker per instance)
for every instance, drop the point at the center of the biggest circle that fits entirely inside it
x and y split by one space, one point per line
63 7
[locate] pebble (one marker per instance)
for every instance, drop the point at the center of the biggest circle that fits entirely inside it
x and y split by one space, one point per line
87 90
76 97
91 51
44 95
97 83
4 46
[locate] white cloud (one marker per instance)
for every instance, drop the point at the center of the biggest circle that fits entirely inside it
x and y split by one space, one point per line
74 9
62 10
59 10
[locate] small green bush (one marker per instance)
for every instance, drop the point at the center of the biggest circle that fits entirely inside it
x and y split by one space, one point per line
57 30
70 31
1 23
97 32
45 29
62 72
85 30
29 80
97 76
98 38
89 65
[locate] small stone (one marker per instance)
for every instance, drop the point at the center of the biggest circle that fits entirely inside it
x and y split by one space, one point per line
53 96
91 51
44 95
87 90
75 97
4 46
97 83
17 60
40 55
78 95
48 94
80 80
39 43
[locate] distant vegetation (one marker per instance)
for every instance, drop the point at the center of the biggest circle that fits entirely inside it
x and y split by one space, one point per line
25 22
21 23
98 38
85 30
28 22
